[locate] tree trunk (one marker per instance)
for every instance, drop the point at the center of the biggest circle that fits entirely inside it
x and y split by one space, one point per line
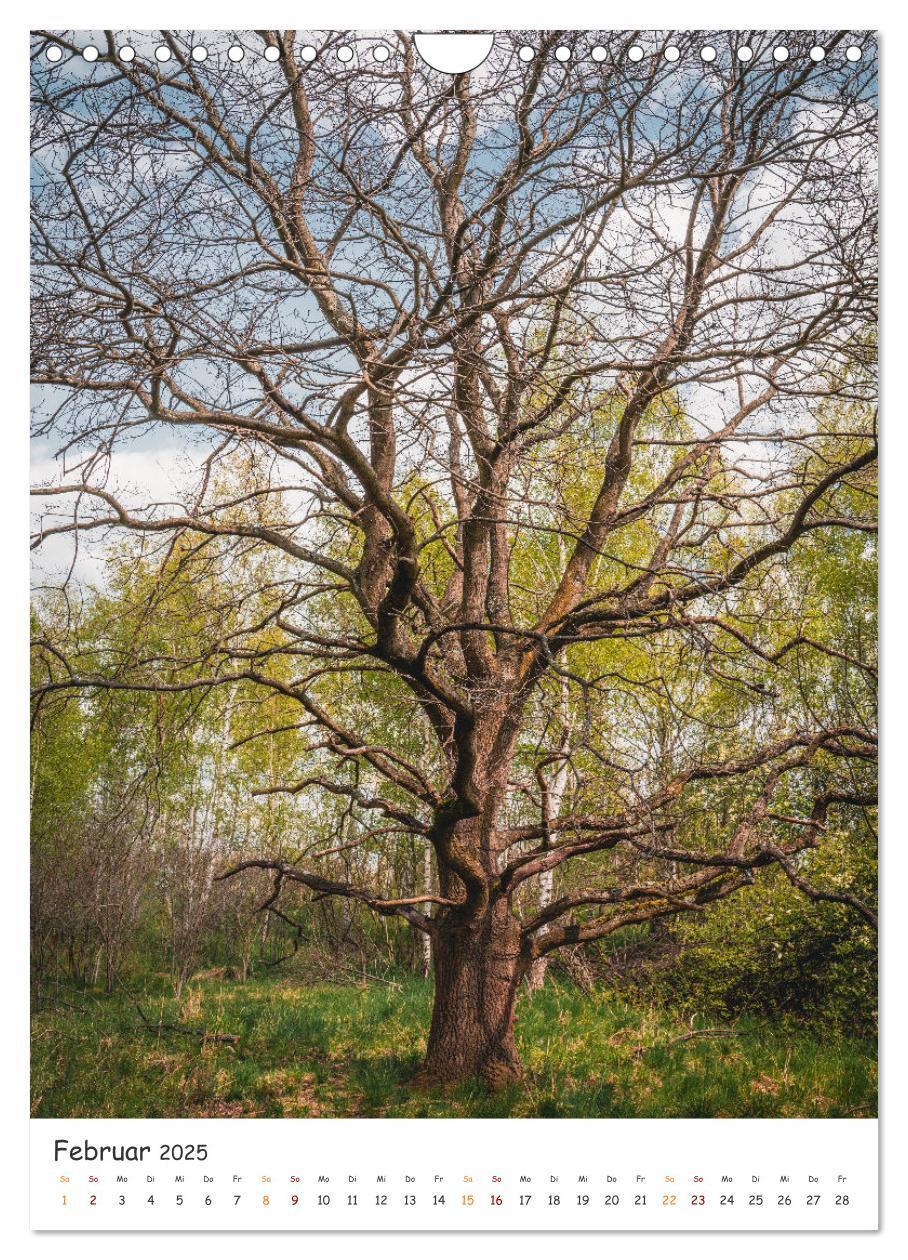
426 940
478 968
540 966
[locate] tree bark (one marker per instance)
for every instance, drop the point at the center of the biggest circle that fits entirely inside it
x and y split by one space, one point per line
478 967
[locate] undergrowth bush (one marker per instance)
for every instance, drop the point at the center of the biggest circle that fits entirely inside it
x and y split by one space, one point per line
769 951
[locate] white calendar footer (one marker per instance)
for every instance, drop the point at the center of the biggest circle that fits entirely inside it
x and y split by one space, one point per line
453 1174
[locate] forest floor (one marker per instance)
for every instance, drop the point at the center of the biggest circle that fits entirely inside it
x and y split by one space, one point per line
350 1050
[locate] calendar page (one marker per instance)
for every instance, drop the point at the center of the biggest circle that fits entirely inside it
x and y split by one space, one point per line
454 651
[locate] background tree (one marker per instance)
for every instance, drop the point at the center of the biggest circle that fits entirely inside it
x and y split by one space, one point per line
536 376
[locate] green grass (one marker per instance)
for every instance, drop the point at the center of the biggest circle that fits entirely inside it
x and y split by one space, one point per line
348 1050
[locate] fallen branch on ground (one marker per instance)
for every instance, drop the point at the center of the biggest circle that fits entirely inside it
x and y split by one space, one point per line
185 1029
688 1036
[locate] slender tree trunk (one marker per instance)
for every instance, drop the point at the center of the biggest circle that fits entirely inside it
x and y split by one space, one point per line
478 968
426 941
536 976
539 967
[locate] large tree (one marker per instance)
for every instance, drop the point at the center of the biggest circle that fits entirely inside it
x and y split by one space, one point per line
512 394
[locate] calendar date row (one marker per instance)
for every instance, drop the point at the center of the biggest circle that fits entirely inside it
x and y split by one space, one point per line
469 1200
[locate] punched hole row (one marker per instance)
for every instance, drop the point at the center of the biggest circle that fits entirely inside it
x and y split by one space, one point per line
381 53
